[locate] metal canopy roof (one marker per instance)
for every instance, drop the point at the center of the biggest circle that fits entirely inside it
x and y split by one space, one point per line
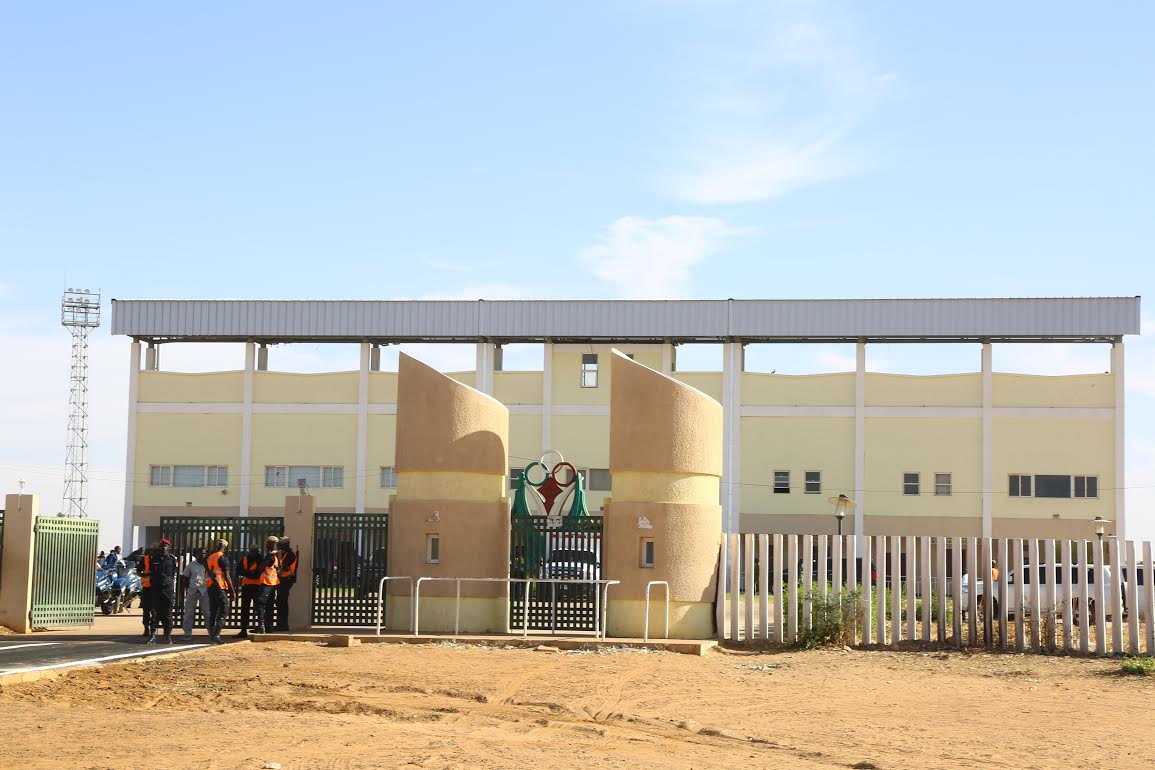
1085 319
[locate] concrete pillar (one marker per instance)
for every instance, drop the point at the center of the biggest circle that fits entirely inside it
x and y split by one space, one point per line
733 363
860 441
1120 441
375 358
247 429
362 429
20 513
130 479
299 511
988 412
547 397
263 358
665 463
152 358
485 364
452 450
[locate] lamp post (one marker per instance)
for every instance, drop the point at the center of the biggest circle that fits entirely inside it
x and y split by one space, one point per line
1100 526
841 504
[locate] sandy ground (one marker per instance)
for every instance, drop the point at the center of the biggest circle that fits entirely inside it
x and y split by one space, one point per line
436 706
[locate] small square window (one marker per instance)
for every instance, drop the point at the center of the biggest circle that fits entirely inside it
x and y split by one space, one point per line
647 553
432 549
942 484
276 475
388 477
1086 486
1019 485
599 480
333 476
813 482
188 475
911 484
589 375
160 475
781 482
217 476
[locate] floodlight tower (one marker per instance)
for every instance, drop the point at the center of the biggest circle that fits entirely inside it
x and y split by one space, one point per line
80 314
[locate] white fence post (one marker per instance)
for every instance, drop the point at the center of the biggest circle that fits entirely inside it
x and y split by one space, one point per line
1051 610
792 588
956 588
1100 600
1004 570
940 578
764 586
1149 596
1085 573
779 593
1069 573
852 578
972 573
895 589
880 587
987 562
1116 596
836 567
807 580
735 587
1019 602
748 556
864 580
823 567
925 585
1133 601
1034 594
911 586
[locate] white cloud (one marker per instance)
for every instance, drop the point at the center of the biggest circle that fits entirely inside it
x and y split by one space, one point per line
774 112
652 258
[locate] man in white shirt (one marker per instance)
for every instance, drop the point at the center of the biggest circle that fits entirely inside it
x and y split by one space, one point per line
196 590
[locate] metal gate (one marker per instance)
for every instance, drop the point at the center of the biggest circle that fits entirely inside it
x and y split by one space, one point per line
572 551
350 553
190 532
64 576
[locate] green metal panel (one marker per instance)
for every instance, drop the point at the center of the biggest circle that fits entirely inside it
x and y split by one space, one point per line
190 532
63 579
349 560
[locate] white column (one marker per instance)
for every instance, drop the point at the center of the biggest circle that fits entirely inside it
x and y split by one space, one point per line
362 429
731 435
667 358
547 397
247 428
484 378
130 479
859 437
1120 442
988 481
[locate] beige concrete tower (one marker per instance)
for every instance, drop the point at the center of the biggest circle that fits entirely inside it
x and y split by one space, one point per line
664 520
450 516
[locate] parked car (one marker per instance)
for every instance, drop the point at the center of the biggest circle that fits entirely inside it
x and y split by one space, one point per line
1042 574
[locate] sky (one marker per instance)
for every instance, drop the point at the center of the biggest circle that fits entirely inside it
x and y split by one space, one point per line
639 148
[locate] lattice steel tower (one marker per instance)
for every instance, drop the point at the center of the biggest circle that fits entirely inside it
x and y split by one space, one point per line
80 314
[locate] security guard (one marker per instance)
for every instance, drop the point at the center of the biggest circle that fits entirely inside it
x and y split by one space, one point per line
162 570
144 569
270 578
222 593
250 575
288 580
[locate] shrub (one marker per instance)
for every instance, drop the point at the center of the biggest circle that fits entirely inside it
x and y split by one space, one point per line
1138 667
832 621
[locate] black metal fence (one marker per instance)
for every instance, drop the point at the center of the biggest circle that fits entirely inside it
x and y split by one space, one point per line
190 532
571 551
350 552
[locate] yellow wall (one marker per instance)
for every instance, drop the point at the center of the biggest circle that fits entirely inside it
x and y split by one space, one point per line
517 387
187 439
211 387
1038 446
585 441
281 388
709 383
465 378
909 390
795 444
380 445
567 372
795 390
305 439
382 387
1071 390
897 445
524 439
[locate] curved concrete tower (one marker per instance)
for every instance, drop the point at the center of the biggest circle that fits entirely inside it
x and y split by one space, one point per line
450 516
664 520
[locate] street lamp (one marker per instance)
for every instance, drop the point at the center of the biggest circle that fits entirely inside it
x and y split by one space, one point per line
841 504
1100 526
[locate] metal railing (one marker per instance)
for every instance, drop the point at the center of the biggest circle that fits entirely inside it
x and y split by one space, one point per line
649 585
415 599
381 598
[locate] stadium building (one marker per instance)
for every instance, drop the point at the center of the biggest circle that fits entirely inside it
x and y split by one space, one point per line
981 453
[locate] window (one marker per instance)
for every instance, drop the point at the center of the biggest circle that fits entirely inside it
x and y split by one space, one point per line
315 476
432 549
589 377
1019 485
942 484
515 476
910 484
599 479
781 482
1052 486
388 477
646 560
333 476
188 475
813 482
1086 486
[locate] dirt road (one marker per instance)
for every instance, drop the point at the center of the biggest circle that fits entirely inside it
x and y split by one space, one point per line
308 707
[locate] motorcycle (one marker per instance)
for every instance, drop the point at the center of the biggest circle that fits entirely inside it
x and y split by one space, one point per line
126 586
105 579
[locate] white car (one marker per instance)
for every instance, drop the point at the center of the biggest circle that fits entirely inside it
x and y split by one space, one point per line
1059 572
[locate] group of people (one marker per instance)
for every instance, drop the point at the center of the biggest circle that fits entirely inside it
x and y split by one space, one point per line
266 578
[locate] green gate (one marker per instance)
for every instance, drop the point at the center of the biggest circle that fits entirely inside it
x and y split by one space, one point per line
349 559
190 532
64 574
569 551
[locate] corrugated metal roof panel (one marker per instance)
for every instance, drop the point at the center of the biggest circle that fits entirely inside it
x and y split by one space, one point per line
286 320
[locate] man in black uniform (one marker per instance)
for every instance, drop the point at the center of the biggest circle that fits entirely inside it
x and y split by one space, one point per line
288 580
163 587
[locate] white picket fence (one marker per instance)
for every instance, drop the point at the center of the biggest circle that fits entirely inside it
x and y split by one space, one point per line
1077 596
